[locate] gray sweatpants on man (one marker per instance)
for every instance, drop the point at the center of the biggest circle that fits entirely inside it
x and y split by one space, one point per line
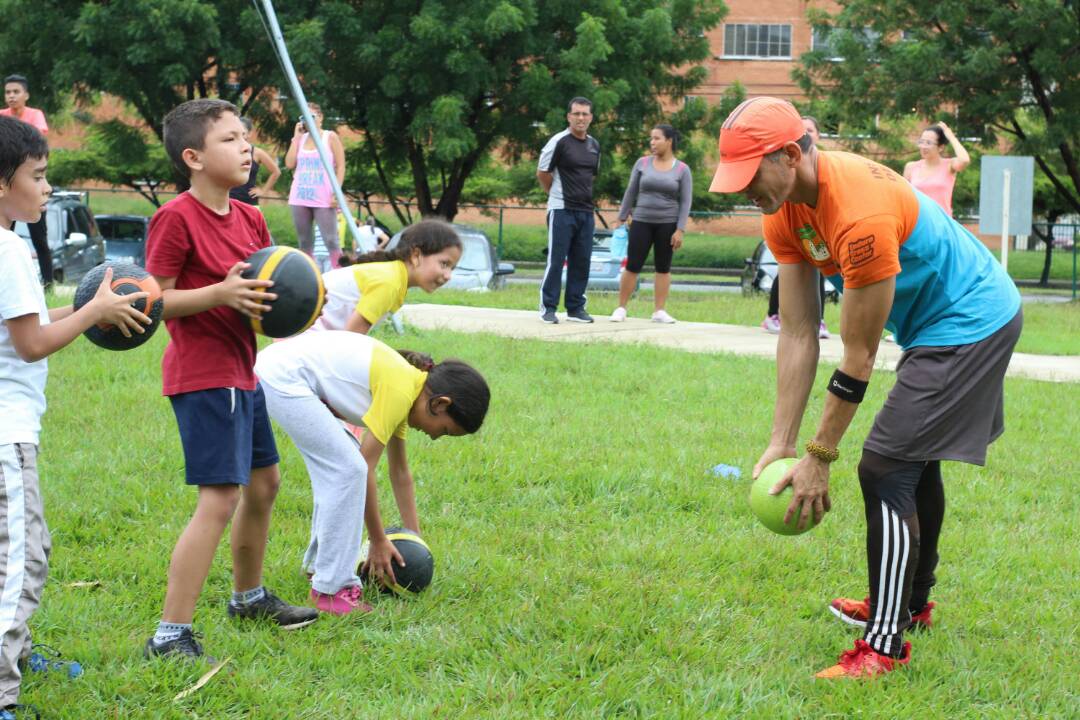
338 483
24 560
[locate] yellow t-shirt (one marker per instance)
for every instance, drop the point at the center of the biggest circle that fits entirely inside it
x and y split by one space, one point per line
395 385
360 379
370 289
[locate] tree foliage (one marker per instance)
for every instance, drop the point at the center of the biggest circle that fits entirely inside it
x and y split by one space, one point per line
448 96
117 153
436 86
1003 71
152 54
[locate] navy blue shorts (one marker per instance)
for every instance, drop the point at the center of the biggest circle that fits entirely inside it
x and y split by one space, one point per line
225 433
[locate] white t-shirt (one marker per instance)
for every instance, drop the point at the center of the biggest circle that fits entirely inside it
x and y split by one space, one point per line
22 384
360 379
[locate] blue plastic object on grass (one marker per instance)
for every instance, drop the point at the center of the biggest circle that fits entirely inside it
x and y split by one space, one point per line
727 471
45 659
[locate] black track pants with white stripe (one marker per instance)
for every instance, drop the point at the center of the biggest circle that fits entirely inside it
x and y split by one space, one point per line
904 504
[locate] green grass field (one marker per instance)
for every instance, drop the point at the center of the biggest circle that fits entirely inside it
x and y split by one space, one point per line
588 563
1049 328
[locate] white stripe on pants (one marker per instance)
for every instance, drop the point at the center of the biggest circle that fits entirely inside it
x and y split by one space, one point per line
895 549
338 483
24 553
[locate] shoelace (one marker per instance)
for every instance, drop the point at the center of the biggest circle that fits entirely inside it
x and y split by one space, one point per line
190 641
849 657
352 595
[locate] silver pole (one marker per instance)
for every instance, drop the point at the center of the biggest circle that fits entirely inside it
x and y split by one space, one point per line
298 92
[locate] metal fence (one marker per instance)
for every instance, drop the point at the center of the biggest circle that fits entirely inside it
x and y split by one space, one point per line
738 222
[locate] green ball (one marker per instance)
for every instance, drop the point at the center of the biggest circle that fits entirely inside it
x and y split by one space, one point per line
770 509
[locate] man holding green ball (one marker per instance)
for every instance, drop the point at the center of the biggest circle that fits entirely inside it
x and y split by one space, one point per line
905 265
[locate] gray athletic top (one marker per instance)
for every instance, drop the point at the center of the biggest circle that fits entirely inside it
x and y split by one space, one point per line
656 196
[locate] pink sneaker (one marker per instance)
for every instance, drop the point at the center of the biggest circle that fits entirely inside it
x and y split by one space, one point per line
823 331
344 601
771 324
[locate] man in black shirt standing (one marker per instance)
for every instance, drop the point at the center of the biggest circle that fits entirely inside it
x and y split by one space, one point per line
568 164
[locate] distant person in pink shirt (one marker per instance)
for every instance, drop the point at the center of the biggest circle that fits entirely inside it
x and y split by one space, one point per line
934 175
311 197
16 93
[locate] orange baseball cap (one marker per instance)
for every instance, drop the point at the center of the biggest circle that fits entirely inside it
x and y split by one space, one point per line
754 129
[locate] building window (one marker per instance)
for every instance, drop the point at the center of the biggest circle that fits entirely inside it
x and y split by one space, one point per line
742 40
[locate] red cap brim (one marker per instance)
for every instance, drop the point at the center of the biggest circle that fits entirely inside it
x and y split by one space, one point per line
732 177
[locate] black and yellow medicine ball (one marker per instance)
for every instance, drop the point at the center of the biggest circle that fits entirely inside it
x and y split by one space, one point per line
419 563
127 278
299 288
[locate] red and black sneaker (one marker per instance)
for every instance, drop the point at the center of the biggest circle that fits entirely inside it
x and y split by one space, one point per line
857 612
864 661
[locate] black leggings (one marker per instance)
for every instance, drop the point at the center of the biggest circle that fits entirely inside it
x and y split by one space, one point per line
904 503
774 295
644 235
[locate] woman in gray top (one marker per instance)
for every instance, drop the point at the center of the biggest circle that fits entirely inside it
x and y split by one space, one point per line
658 201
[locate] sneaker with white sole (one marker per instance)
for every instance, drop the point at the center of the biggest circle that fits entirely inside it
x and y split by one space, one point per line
771 324
661 316
857 612
823 331
619 315
550 317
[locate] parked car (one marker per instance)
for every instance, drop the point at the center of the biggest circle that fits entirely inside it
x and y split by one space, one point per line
125 237
73 236
605 269
479 267
760 269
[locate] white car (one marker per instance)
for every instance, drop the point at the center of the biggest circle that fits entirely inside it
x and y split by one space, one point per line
479 267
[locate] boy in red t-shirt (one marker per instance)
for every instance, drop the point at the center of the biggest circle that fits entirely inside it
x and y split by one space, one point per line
196 248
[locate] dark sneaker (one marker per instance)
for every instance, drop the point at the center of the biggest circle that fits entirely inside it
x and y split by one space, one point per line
550 317
271 607
185 647
44 659
19 712
579 316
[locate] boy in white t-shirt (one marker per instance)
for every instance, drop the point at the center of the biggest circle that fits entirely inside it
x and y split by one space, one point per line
29 333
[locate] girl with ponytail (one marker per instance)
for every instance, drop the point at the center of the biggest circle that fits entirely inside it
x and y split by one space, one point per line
318 378
374 284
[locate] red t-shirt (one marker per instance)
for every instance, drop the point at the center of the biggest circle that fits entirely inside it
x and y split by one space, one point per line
191 242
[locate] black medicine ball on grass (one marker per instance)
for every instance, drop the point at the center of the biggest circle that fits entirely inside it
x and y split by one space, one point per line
419 564
299 288
127 279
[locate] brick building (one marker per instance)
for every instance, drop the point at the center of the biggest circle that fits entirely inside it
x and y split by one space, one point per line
759 43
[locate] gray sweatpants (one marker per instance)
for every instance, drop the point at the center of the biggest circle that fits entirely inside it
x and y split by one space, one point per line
24 560
338 483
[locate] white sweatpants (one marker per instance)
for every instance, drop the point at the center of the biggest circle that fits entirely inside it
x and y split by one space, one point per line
338 484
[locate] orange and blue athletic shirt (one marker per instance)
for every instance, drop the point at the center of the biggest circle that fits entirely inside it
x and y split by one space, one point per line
869 224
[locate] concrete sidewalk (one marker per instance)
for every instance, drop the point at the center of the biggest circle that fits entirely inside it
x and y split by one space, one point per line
687 336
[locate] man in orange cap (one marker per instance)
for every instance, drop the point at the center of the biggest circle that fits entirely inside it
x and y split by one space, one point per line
903 264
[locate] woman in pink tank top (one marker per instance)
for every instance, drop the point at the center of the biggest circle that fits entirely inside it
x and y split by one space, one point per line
934 175
311 197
